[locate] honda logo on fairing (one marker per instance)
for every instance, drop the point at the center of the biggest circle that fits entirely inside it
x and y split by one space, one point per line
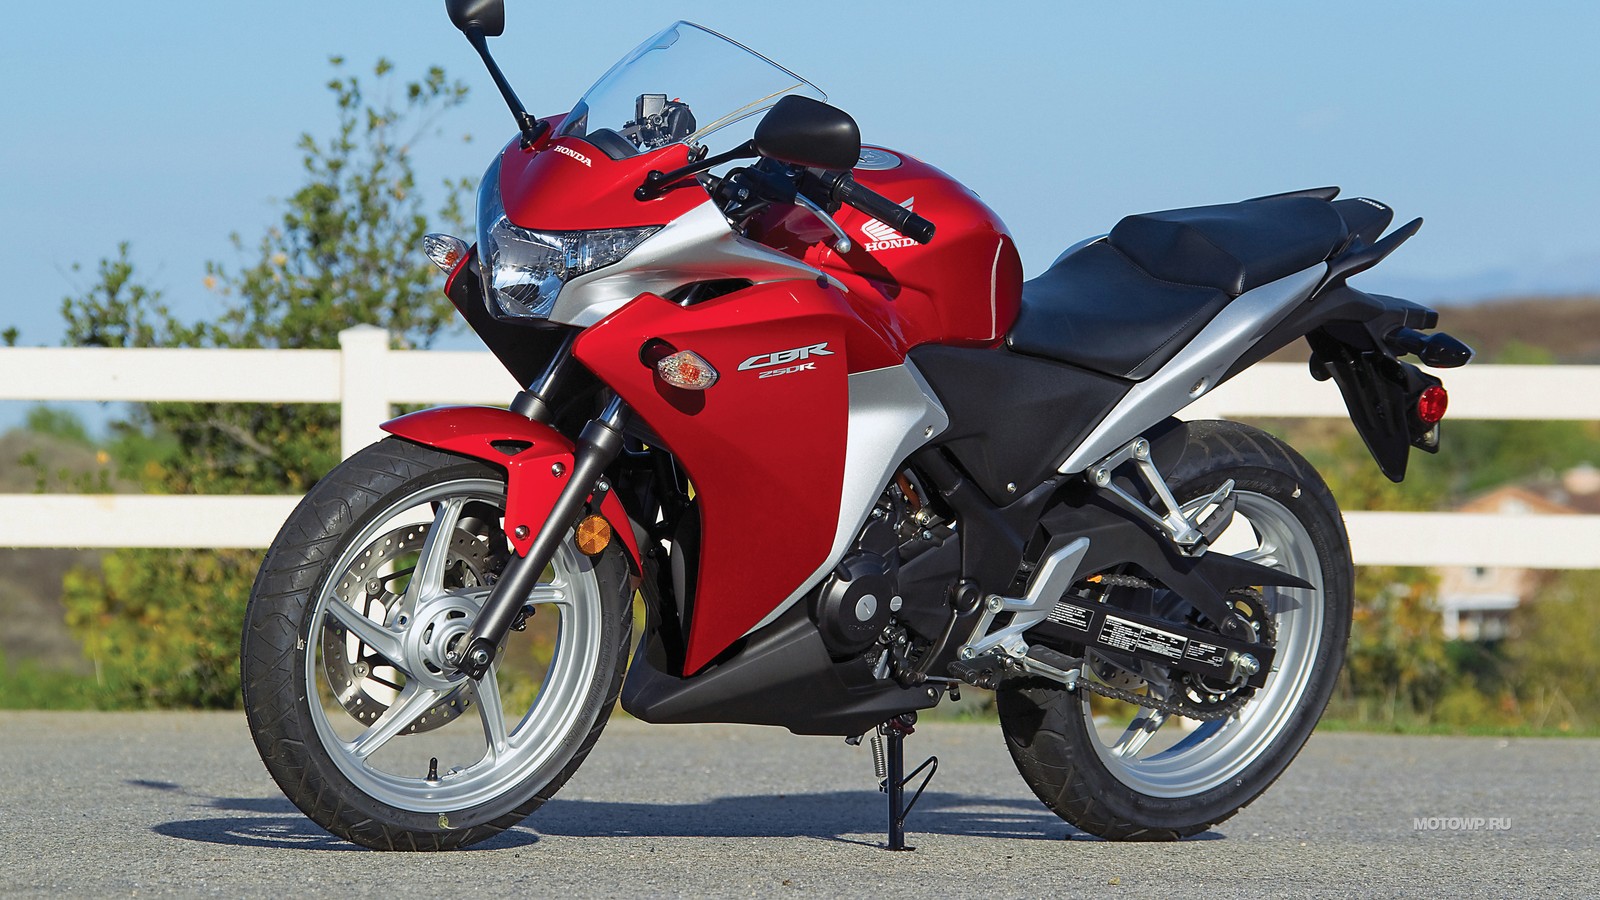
782 357
568 151
882 236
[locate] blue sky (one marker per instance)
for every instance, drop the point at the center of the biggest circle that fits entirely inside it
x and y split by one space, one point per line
173 124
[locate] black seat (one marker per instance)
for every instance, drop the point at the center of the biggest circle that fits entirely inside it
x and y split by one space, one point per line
1098 310
1124 306
1233 247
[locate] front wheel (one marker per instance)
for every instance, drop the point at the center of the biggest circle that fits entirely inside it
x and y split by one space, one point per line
377 572
1124 771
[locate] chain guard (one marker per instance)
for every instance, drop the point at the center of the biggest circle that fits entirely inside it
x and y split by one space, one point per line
1196 699
364 682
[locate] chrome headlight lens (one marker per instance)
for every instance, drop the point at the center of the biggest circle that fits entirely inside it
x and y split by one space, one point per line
526 269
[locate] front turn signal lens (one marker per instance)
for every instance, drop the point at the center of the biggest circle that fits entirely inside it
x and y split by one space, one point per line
1432 404
686 369
593 535
445 250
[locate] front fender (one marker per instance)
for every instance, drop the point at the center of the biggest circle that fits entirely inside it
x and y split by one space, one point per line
529 451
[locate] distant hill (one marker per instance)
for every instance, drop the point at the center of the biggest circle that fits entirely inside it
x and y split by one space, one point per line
30 580
1573 276
1568 328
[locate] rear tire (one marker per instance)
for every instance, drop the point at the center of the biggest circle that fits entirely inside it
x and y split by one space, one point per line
1119 792
352 716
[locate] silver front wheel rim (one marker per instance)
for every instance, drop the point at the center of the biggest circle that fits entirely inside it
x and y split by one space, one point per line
413 736
1148 750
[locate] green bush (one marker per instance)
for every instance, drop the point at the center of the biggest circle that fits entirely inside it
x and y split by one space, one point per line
1555 653
26 685
162 626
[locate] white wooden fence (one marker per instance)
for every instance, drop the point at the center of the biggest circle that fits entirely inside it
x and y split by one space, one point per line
365 377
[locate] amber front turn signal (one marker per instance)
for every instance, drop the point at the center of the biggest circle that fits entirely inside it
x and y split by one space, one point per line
686 369
594 535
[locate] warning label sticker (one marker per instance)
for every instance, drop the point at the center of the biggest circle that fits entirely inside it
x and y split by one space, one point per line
1210 654
1126 635
1070 616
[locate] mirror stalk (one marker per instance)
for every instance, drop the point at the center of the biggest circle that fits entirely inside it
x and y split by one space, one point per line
532 129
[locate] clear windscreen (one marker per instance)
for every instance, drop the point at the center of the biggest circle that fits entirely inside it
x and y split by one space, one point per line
680 87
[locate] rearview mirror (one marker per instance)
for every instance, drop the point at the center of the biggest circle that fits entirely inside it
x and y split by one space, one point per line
488 17
805 132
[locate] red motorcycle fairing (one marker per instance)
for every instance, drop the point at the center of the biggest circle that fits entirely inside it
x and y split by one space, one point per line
963 289
568 184
765 446
532 481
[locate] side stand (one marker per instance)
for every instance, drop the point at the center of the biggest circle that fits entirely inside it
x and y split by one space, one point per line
895 779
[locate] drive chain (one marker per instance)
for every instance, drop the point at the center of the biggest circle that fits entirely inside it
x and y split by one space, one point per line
1188 711
1148 702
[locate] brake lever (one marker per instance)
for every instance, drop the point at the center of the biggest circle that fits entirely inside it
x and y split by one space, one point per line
776 188
841 241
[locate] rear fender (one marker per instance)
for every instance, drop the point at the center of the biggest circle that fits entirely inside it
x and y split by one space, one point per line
1381 393
1356 339
535 456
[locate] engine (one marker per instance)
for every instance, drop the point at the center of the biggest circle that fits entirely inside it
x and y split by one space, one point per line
887 600
857 603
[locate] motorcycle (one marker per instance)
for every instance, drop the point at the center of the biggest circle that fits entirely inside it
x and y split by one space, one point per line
797 397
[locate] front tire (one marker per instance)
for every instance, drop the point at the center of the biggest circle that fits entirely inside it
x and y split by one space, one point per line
1129 782
376 572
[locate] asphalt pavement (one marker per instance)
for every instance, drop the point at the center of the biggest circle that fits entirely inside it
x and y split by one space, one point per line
117 804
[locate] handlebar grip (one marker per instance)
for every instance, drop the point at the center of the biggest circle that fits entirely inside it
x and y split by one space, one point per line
874 204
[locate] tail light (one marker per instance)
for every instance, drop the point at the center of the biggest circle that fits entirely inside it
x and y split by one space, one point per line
1431 404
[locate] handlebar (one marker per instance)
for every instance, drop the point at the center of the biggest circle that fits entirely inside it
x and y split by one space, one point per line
852 193
821 190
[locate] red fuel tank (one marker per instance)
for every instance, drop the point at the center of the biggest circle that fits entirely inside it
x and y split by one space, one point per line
962 288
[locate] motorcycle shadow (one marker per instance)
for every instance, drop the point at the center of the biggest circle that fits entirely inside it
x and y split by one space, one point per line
273 822
845 816
850 817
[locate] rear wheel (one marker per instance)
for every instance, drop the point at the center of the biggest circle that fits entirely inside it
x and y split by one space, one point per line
371 580
1129 772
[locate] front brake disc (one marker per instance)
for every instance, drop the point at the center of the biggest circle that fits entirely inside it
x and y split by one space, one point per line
363 681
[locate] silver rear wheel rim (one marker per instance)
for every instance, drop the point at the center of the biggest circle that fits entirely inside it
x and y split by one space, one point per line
532 744
1217 751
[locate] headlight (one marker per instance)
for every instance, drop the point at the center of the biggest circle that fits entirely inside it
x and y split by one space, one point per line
526 269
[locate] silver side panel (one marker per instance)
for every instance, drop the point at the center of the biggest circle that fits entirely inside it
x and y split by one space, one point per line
697 246
893 412
1197 367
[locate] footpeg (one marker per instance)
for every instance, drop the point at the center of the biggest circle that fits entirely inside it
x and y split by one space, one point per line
1052 664
1220 518
983 672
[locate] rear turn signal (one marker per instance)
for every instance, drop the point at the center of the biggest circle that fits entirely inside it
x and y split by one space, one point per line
1432 404
686 369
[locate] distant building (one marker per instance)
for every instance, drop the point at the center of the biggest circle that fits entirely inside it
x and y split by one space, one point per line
1476 601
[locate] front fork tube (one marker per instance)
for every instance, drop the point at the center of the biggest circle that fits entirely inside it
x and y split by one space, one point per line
596 448
534 402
